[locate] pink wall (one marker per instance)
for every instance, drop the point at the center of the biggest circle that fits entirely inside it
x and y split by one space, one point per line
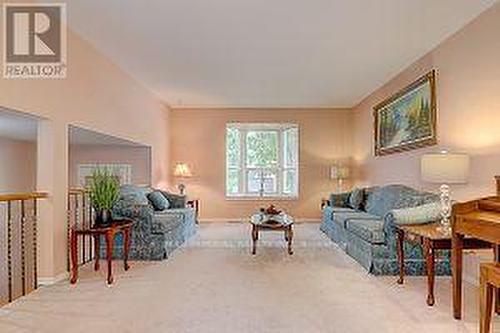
138 157
468 90
96 95
17 166
198 138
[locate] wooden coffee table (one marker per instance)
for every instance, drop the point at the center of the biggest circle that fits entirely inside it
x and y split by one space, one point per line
281 222
432 237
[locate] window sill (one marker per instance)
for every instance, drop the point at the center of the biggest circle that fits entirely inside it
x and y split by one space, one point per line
250 198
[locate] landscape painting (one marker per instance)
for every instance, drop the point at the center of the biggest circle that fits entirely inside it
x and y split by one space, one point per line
407 120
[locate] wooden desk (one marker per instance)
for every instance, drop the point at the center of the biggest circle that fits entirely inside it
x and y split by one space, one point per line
479 219
118 226
431 237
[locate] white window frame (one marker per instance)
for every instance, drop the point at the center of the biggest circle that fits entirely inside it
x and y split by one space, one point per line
243 168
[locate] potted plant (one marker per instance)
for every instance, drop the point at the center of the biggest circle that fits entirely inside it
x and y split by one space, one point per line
104 193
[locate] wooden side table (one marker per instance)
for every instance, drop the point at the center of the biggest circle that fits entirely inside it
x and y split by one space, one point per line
194 203
432 238
118 226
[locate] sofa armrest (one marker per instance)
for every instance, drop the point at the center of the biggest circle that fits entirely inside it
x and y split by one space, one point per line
324 203
422 214
172 211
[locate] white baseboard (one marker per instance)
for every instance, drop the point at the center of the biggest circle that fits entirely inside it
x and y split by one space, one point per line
47 281
245 219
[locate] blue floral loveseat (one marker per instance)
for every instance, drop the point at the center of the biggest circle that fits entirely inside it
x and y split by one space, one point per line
363 224
155 234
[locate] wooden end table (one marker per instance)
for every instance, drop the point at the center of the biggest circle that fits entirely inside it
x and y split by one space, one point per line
118 226
432 237
265 222
194 203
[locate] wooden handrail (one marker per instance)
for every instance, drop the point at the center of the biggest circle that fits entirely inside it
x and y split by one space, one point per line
24 217
78 190
23 196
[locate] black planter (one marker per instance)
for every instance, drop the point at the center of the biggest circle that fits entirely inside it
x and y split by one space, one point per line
102 217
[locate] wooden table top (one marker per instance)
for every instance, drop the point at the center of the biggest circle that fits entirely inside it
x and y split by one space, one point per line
432 231
116 225
482 216
280 220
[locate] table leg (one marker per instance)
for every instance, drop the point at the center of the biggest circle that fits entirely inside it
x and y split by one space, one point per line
401 255
97 250
74 256
456 271
255 236
485 303
126 248
290 236
429 261
110 237
496 250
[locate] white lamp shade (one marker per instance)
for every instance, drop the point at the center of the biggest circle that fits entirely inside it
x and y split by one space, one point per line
182 171
445 168
339 172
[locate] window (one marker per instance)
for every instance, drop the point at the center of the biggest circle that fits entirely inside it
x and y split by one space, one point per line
262 160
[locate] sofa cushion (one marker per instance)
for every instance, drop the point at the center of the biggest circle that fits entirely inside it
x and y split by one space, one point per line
386 198
356 199
158 200
369 230
342 217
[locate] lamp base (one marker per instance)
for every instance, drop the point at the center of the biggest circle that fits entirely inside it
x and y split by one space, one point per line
445 208
181 188
340 184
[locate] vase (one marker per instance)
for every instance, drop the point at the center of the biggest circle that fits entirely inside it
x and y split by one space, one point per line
102 217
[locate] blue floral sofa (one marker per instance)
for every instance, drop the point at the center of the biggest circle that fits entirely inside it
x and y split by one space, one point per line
155 234
366 232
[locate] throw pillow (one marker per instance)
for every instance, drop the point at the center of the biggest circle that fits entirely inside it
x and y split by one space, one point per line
356 198
158 200
136 195
340 199
426 213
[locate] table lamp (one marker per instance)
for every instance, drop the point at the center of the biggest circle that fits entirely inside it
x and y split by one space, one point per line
182 171
339 173
445 168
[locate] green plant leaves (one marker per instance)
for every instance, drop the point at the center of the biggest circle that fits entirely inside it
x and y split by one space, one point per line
104 189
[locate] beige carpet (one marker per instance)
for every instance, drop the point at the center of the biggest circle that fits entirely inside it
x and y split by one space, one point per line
214 285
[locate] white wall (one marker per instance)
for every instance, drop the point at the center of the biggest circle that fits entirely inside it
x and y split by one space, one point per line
138 157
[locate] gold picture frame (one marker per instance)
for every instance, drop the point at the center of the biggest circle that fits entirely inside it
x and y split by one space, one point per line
407 120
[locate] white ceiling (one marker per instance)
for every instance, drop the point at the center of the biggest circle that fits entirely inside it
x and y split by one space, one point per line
267 53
